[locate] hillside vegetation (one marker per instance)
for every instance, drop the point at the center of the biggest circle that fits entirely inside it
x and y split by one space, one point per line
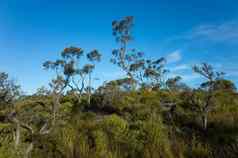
143 115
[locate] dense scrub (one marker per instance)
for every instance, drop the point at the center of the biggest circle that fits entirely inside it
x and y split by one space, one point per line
138 126
144 115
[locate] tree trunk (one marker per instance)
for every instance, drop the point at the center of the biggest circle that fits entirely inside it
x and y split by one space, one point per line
204 122
89 90
17 136
28 150
55 107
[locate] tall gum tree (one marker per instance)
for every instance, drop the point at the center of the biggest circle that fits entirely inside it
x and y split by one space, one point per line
205 101
132 61
70 73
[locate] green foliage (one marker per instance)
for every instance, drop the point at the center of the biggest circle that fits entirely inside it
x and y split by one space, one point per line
9 91
6 151
156 140
115 126
137 116
199 150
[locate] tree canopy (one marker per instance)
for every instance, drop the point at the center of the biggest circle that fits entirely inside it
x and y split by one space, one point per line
144 114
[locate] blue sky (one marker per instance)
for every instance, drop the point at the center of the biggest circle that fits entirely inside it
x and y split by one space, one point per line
186 32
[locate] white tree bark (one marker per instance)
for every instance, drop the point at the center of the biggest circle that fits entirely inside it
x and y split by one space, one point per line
28 150
17 134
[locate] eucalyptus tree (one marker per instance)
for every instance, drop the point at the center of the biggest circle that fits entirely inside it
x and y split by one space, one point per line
93 56
9 92
204 101
172 83
122 33
33 116
132 61
65 68
18 116
42 91
175 85
70 73
149 73
57 85
154 72
221 85
128 59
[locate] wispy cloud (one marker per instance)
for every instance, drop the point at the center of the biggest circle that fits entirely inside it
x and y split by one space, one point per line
190 77
112 75
181 67
174 57
229 68
230 71
186 77
224 32
221 39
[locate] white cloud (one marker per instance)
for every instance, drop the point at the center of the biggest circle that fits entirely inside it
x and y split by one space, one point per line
180 67
186 77
112 75
190 77
224 32
174 57
230 71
